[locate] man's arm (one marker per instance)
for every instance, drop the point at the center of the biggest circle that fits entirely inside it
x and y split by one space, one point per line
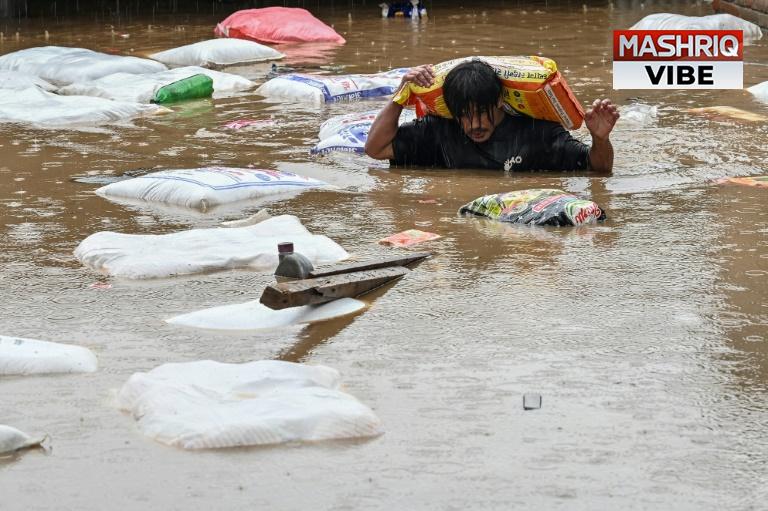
384 127
600 120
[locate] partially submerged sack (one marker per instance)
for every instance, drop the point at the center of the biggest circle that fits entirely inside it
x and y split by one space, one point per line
217 52
28 356
320 88
207 187
531 86
760 91
12 440
146 256
254 315
536 207
14 80
666 21
62 66
144 88
756 181
277 25
40 108
210 405
348 133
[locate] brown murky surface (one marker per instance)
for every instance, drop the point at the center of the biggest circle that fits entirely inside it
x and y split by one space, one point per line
647 335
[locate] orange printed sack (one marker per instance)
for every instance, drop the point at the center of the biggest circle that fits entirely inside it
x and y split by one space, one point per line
532 86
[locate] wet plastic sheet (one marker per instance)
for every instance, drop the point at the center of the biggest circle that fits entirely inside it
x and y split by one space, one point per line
208 187
20 356
255 316
146 256
62 66
408 238
217 52
14 80
12 440
208 405
666 21
277 25
536 207
324 89
142 88
348 133
44 109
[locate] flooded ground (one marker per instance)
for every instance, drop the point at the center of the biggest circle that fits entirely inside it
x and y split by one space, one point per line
646 335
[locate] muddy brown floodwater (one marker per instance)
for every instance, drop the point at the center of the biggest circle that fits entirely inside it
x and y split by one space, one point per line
647 335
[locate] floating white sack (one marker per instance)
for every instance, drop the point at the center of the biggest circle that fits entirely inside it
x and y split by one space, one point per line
348 133
27 356
13 80
218 52
142 88
145 256
62 66
255 316
11 440
319 88
638 114
665 21
207 405
208 187
760 91
41 108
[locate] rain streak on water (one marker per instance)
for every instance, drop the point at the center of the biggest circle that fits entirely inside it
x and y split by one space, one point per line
645 335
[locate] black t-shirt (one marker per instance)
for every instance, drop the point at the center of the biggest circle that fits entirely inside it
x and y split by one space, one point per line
517 143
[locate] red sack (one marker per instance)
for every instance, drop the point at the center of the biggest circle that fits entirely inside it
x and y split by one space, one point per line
277 25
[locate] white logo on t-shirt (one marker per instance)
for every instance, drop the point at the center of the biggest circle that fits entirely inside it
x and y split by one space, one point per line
511 161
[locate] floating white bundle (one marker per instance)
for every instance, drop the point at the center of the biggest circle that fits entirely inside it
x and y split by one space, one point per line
666 21
760 91
255 316
40 108
319 88
206 404
62 66
348 133
638 114
28 356
146 256
208 187
14 80
218 52
142 88
12 440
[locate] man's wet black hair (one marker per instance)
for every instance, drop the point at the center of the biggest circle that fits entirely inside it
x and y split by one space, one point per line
472 86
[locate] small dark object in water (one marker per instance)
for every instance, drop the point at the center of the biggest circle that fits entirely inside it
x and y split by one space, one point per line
531 401
292 265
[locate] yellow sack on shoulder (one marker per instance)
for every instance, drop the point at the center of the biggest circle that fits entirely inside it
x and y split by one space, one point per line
531 85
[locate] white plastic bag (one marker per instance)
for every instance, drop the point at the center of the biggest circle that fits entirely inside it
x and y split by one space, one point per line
146 256
40 108
348 133
20 356
208 405
12 440
218 52
638 114
319 88
62 66
666 21
14 80
142 88
208 187
760 91
255 316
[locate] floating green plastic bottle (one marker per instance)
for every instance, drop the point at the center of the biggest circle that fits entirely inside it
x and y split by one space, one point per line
194 87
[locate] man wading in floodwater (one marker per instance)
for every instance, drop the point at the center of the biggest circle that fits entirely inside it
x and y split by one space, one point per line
489 138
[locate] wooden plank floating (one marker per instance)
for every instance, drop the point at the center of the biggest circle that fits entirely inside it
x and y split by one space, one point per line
404 260
325 289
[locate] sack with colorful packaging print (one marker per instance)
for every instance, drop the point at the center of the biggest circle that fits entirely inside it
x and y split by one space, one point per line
536 207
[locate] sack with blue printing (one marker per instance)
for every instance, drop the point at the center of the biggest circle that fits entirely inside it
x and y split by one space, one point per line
207 187
328 89
348 133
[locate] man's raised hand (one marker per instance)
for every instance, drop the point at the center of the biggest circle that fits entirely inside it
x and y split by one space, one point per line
423 76
601 118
